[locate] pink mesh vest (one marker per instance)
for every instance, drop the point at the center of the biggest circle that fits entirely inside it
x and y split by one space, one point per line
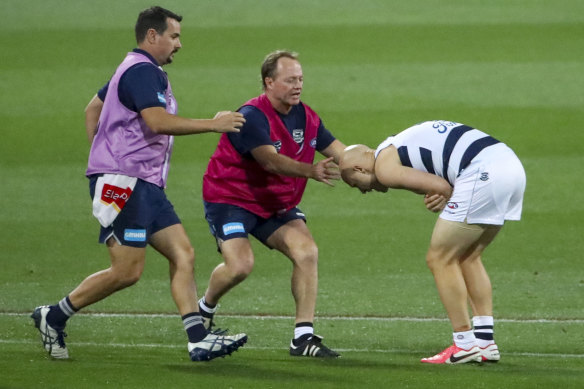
232 179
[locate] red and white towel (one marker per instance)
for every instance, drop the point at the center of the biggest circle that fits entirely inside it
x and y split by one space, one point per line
112 192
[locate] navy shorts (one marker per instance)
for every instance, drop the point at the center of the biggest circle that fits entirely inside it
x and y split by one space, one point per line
146 212
228 221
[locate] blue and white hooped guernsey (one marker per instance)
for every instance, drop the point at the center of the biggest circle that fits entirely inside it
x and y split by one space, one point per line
438 147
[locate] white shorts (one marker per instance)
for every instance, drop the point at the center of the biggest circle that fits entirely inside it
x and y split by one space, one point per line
490 190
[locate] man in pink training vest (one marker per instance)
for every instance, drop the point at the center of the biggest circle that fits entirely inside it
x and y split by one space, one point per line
253 184
130 124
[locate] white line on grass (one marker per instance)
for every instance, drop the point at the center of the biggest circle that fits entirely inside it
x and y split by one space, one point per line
176 346
320 317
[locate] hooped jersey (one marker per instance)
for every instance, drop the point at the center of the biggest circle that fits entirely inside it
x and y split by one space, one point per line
439 147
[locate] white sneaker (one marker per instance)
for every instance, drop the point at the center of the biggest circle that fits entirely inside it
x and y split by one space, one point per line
53 339
491 353
214 346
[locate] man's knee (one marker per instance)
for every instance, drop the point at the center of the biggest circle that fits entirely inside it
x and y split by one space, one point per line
305 255
240 266
128 275
437 258
186 258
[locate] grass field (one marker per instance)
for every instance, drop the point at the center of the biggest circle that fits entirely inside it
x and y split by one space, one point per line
512 68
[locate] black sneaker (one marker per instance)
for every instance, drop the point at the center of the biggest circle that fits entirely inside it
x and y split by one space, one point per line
312 347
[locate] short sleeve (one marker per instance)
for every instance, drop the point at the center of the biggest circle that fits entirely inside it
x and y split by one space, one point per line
324 137
255 132
143 86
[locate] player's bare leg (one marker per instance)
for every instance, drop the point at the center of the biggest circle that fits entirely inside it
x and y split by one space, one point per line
127 264
448 247
173 243
477 280
481 295
238 261
295 241
452 243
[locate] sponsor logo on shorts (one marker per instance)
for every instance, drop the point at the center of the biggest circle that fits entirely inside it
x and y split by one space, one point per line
452 205
232 228
484 176
161 97
134 235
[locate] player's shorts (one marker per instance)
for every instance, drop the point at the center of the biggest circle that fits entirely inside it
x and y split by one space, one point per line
146 212
490 190
228 221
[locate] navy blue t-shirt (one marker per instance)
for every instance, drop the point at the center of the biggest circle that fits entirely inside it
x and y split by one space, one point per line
256 130
141 86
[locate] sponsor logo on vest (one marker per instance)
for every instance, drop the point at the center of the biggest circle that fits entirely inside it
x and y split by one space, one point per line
313 143
134 235
278 145
485 176
298 135
232 228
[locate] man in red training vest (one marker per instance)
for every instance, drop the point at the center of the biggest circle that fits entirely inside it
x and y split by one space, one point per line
253 184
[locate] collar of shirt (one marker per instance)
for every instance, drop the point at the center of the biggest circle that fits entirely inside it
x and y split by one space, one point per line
151 58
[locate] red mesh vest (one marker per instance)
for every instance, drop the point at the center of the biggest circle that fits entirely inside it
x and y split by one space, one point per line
232 179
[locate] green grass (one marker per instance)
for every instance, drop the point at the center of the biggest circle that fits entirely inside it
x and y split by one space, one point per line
511 68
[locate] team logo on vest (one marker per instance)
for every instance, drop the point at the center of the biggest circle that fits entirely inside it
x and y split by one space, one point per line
298 135
278 145
313 143
484 176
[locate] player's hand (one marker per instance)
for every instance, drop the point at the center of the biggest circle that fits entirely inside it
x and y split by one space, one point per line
326 170
435 202
228 121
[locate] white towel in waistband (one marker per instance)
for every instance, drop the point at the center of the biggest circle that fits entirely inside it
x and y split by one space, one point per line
112 192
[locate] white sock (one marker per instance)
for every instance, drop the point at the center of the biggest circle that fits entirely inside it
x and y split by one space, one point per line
465 340
484 330
299 331
204 307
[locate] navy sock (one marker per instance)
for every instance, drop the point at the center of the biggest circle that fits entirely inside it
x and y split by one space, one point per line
60 313
193 323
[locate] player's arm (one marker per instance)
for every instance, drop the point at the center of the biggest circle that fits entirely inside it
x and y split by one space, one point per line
390 172
92 112
335 150
268 157
162 122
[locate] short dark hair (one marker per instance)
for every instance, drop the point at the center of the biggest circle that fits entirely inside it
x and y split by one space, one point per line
153 17
270 63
